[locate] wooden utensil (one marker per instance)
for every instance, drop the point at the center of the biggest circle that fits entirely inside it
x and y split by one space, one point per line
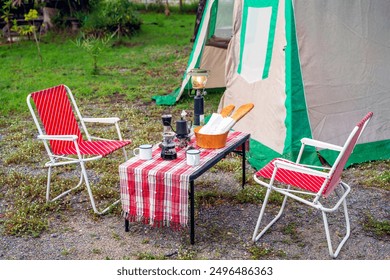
228 122
242 111
226 111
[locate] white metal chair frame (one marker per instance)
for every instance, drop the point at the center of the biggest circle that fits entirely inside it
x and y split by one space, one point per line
315 202
58 160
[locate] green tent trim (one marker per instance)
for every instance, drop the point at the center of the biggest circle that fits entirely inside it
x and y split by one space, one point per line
260 4
297 119
379 150
259 154
168 100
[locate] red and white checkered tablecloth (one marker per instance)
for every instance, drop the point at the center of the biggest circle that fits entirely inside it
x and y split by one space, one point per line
156 191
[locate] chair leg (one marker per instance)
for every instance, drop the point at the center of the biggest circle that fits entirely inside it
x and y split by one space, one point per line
125 153
62 194
257 236
348 230
84 173
48 184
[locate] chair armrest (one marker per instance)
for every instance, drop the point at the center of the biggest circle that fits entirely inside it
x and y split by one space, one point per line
58 137
101 120
320 144
279 164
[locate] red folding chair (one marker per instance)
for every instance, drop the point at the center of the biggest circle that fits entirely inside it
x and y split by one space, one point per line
303 181
62 137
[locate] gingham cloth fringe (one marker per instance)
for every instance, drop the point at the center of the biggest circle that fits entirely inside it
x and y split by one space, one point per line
155 192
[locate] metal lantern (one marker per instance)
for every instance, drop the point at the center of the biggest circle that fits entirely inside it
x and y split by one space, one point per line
198 78
198 81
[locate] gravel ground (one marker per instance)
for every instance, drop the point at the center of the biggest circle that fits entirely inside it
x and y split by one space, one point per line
223 231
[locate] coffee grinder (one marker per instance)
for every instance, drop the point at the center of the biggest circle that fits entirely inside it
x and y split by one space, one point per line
183 130
166 120
168 149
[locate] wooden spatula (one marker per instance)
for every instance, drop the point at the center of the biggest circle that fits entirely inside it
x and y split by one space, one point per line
226 111
242 111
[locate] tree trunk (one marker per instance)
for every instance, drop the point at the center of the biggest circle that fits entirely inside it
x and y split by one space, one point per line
48 14
199 14
167 11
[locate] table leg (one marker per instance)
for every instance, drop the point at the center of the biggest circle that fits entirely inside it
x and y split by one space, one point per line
192 208
243 164
127 224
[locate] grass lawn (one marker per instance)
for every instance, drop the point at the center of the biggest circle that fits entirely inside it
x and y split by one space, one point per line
150 63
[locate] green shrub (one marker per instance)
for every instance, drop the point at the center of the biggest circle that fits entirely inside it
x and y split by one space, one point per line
115 16
377 227
190 8
159 7
155 7
94 46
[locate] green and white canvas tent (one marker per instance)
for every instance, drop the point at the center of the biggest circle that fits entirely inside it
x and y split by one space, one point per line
312 69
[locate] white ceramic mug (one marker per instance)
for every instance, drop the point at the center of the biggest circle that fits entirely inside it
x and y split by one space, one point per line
193 157
143 152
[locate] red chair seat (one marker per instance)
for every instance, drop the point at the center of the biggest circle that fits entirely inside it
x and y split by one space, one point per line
304 181
100 147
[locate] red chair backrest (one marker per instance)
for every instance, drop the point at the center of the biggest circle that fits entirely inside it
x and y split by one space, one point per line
341 161
57 116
